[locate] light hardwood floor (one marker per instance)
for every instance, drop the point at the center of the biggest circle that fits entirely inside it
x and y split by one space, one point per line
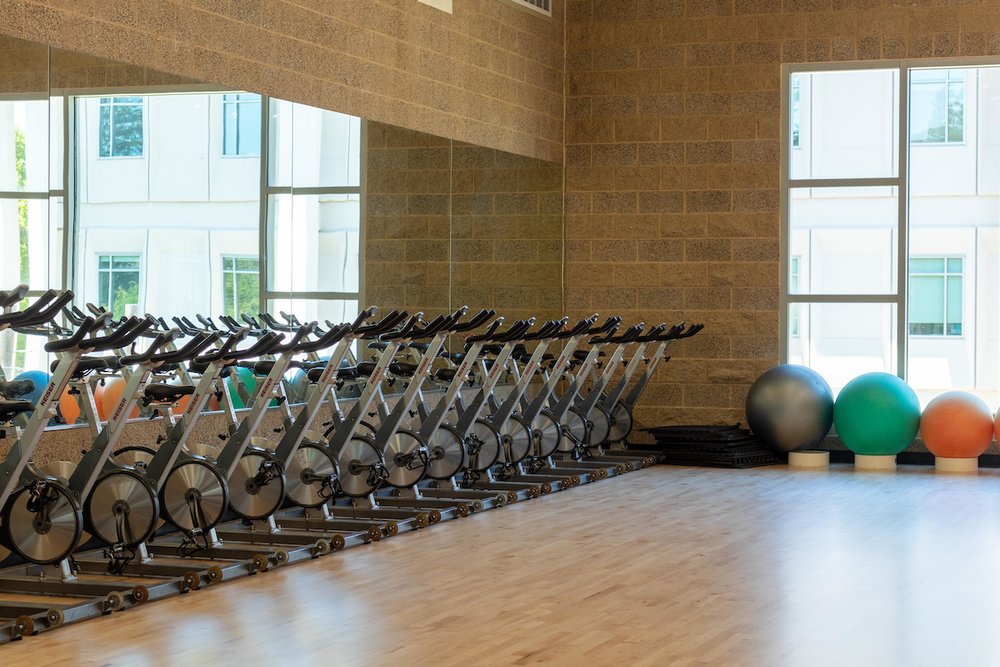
666 566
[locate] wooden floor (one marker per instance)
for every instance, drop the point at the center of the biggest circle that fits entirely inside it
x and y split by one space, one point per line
660 567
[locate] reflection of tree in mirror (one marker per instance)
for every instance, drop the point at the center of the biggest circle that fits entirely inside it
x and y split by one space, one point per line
125 296
241 276
22 205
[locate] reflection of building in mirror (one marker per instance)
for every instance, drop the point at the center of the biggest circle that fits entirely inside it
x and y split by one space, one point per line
167 212
172 184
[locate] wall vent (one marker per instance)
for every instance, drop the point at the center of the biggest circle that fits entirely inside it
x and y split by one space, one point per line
540 6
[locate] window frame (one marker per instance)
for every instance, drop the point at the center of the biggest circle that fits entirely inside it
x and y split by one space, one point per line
111 127
900 182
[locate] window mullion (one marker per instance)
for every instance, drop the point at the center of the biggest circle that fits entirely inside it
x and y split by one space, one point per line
902 203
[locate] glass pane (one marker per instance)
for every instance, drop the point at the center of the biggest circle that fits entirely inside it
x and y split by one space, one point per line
845 239
956 111
954 212
927 265
126 127
124 292
125 262
314 243
928 102
56 143
229 125
104 139
846 124
24 256
249 125
313 147
104 289
927 305
21 352
954 305
843 340
24 146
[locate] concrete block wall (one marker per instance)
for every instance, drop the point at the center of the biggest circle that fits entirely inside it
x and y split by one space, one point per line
490 73
672 163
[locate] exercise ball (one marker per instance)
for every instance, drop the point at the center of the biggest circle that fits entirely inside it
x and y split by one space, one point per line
957 425
877 414
790 407
112 393
68 407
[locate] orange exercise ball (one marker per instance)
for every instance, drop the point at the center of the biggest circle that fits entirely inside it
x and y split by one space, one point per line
957 425
69 407
109 399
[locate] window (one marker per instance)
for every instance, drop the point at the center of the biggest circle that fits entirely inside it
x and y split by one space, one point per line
313 209
121 127
937 106
118 282
241 124
30 215
891 239
241 288
936 296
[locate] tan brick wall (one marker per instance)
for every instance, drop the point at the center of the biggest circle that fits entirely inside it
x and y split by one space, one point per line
407 226
507 233
450 224
490 74
672 163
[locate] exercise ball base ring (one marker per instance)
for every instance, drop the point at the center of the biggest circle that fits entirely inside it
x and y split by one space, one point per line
875 463
809 460
964 466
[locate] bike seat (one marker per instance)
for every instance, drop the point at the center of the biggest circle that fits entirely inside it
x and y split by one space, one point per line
11 409
166 393
16 388
366 368
345 373
262 368
402 369
89 365
456 357
492 349
445 374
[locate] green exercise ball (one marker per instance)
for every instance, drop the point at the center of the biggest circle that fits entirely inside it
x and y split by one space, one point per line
877 414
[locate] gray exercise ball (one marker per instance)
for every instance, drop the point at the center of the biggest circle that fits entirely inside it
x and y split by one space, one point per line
790 407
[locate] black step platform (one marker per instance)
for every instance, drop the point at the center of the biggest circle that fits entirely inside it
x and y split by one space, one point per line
710 446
